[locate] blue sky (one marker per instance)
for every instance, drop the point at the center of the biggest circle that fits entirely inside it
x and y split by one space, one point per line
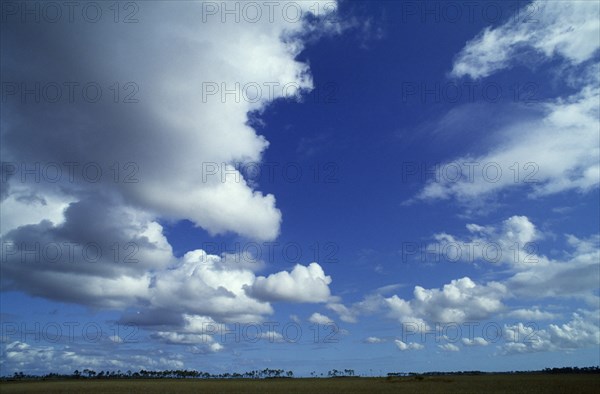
378 186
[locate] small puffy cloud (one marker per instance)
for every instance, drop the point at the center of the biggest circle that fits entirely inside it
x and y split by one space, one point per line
302 284
176 338
407 346
196 330
197 324
206 348
115 339
449 347
477 341
272 336
519 229
347 315
374 340
317 318
371 303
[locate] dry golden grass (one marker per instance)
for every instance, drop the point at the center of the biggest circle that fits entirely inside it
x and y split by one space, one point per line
524 383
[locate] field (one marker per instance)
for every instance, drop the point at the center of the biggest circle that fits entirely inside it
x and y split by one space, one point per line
522 383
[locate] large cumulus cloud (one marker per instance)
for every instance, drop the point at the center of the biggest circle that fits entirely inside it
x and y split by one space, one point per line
96 236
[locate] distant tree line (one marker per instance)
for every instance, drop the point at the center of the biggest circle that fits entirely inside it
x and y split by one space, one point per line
334 373
266 373
562 370
572 370
87 373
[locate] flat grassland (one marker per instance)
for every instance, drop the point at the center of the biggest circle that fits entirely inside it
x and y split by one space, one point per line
492 383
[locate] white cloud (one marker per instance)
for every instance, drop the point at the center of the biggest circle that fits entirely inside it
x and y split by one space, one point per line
197 331
559 162
21 208
408 346
532 314
370 304
449 347
183 338
458 301
105 265
374 340
345 314
317 318
206 348
195 294
582 331
174 119
534 275
272 336
555 145
567 29
198 324
303 284
511 242
575 276
115 339
168 143
39 359
199 285
476 341
388 288
463 300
